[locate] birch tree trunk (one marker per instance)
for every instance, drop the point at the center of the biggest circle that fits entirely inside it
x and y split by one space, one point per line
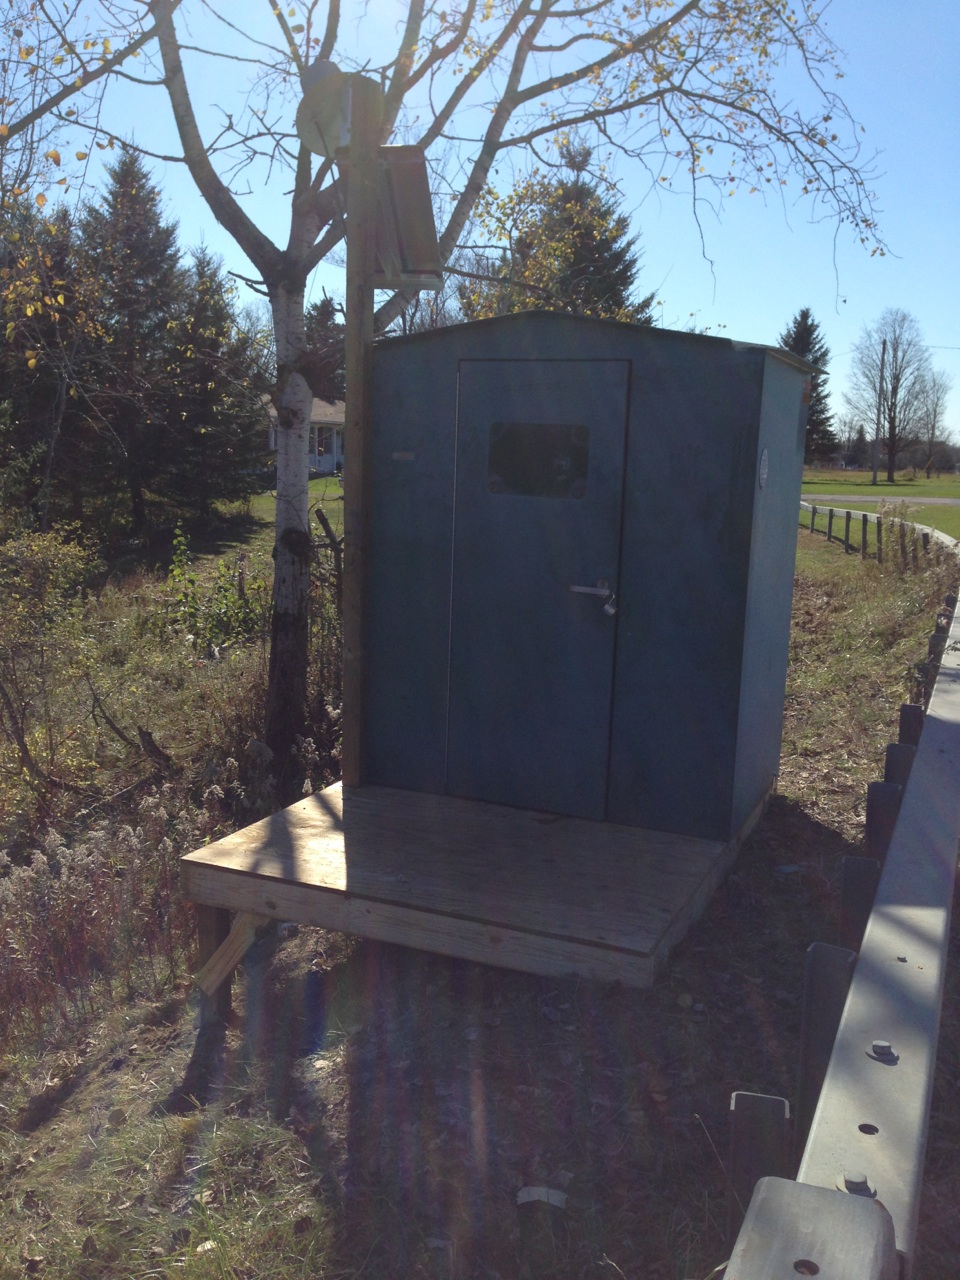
287 689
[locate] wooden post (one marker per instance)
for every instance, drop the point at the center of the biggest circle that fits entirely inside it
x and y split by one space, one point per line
864 523
759 1148
213 928
846 532
911 723
898 761
858 888
827 972
903 545
813 519
879 539
358 164
883 808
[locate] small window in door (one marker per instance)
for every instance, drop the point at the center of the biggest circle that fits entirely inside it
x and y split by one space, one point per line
538 460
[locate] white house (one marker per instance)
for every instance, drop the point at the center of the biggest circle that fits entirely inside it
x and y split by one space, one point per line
326 436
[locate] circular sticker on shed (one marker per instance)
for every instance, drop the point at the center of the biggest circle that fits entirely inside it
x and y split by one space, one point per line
764 468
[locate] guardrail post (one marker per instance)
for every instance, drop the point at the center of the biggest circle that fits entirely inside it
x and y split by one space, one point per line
936 645
827 971
903 545
898 761
759 1148
879 538
858 888
830 524
846 532
813 518
883 805
911 723
864 522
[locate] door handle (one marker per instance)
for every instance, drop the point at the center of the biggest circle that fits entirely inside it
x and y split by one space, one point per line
601 589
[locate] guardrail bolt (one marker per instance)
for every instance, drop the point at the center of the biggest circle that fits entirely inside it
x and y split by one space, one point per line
856 1184
883 1049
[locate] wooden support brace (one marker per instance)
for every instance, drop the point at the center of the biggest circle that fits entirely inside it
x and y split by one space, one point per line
230 952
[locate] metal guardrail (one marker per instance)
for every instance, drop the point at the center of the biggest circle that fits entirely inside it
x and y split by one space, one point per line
851 1213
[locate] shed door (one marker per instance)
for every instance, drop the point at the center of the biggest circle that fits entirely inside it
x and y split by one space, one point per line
539 478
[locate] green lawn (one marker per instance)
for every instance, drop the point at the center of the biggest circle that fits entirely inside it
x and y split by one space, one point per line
906 486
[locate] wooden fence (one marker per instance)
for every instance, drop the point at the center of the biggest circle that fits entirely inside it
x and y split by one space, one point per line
870 1023
876 535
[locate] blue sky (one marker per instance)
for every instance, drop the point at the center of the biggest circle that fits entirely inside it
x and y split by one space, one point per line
902 83
762 263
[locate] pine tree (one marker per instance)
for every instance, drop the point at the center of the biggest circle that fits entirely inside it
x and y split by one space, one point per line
569 250
132 252
803 338
214 426
322 363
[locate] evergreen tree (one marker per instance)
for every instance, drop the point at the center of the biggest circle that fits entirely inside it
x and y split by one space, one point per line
804 339
44 306
213 433
132 252
569 250
322 363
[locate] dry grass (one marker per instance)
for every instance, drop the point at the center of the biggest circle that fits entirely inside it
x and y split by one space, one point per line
374 1110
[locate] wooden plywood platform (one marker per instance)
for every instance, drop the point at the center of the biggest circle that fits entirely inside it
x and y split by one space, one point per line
503 886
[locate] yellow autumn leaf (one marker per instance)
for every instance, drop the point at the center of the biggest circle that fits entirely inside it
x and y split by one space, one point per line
53 155
4 130
41 199
31 364
82 155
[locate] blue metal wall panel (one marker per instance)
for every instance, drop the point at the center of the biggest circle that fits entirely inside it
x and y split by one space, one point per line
773 548
413 428
686 545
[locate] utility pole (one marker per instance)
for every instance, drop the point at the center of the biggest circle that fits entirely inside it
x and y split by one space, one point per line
876 438
359 166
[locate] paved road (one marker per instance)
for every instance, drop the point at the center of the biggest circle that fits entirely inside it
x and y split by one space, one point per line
914 499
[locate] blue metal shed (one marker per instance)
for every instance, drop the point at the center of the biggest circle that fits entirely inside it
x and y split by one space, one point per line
580 568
